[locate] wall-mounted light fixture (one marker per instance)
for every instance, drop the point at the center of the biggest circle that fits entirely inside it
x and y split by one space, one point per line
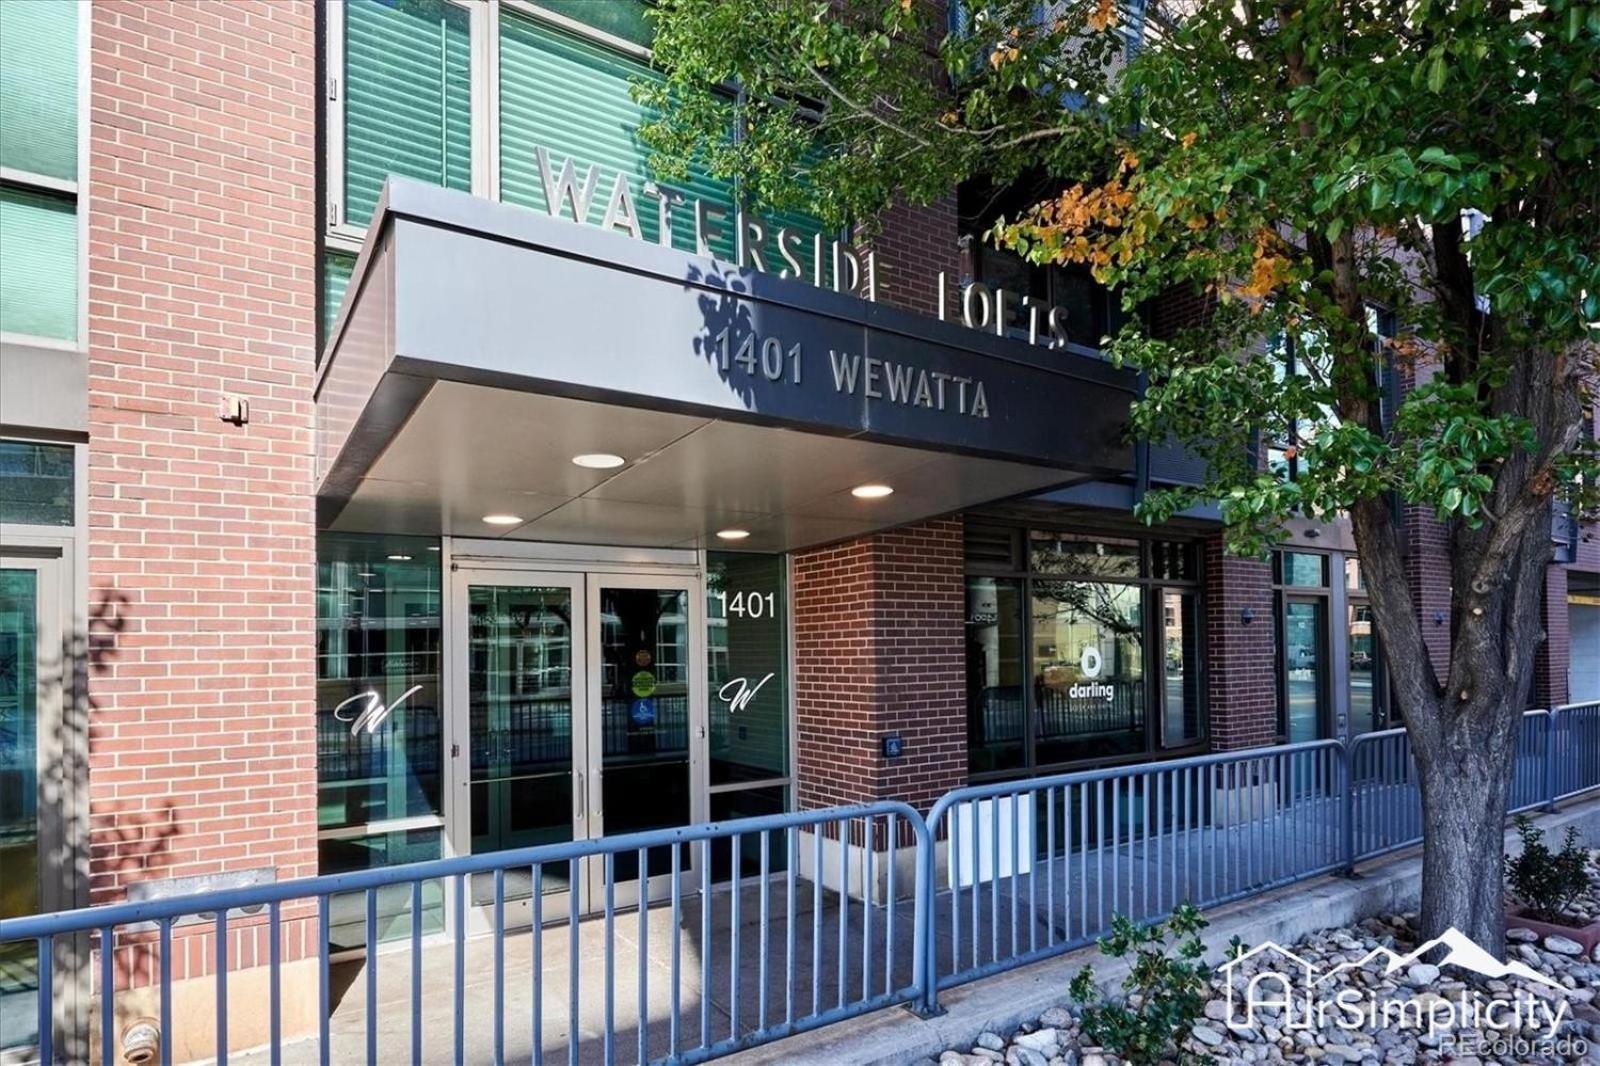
1247 616
1438 618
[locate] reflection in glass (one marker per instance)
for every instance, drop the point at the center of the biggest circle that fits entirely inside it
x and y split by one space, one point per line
996 707
749 803
1063 553
379 746
1303 569
36 483
1366 713
1305 625
348 912
747 648
19 791
1180 666
1088 663
519 708
644 715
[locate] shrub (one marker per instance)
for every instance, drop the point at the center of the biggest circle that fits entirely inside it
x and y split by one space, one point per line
1164 994
1546 883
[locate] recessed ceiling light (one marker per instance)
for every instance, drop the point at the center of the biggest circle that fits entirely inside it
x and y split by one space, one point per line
871 492
433 547
733 534
503 519
598 461
366 573
400 558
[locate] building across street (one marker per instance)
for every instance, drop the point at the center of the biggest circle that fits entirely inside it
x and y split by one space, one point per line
394 468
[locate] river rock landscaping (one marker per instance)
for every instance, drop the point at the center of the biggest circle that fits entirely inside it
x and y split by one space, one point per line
1056 1038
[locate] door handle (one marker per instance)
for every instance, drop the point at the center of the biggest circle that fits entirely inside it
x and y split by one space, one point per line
578 793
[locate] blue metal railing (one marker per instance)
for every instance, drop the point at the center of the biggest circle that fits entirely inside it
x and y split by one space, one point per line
1038 867
780 924
852 931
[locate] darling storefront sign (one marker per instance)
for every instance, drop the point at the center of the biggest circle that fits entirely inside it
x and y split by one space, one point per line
584 193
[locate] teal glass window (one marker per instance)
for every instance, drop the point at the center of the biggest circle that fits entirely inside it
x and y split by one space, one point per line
379 739
624 19
39 87
36 482
408 98
747 615
572 98
336 270
39 270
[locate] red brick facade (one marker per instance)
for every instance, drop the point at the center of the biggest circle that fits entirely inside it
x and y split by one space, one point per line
201 542
914 245
878 651
1241 672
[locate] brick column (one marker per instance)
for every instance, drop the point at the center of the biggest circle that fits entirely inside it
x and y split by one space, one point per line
878 651
913 245
1554 657
202 238
1241 674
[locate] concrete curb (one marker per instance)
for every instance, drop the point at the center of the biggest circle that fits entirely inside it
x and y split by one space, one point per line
1000 1004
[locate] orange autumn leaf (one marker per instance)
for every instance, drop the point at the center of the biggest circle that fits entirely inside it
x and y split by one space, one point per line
1189 139
1104 16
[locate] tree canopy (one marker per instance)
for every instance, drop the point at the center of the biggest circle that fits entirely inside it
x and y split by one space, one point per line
1365 191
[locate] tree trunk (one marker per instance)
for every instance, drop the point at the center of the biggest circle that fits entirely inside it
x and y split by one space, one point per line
1465 781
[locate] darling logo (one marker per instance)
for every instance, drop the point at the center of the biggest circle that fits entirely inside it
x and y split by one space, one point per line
1287 992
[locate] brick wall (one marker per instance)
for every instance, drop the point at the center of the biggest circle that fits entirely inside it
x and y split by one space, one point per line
1554 656
913 246
201 543
1241 674
878 650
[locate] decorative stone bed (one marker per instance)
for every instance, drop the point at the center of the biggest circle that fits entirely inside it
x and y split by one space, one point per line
1055 1039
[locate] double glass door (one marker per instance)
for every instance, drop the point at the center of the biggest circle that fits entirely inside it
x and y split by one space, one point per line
577 715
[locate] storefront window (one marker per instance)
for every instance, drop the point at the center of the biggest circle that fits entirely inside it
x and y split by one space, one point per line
378 721
1088 670
1366 702
997 711
1303 569
1180 668
1062 553
1089 650
747 614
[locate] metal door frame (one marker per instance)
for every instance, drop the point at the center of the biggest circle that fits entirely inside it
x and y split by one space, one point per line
693 587
584 568
458 725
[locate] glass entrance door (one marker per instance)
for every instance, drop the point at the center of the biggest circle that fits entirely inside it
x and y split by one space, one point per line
32 806
522 731
643 676
577 713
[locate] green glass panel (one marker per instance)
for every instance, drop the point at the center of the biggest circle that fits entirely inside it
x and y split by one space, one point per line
379 735
19 792
39 270
747 640
36 483
408 98
336 270
619 18
571 98
39 87
1303 569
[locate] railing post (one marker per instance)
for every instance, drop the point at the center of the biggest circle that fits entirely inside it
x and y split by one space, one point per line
1547 773
1347 807
924 958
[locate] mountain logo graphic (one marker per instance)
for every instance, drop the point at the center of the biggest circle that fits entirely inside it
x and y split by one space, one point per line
1461 951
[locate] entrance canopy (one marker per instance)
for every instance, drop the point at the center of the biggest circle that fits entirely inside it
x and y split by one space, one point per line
482 347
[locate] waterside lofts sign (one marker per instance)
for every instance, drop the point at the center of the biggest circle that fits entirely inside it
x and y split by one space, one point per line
581 193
